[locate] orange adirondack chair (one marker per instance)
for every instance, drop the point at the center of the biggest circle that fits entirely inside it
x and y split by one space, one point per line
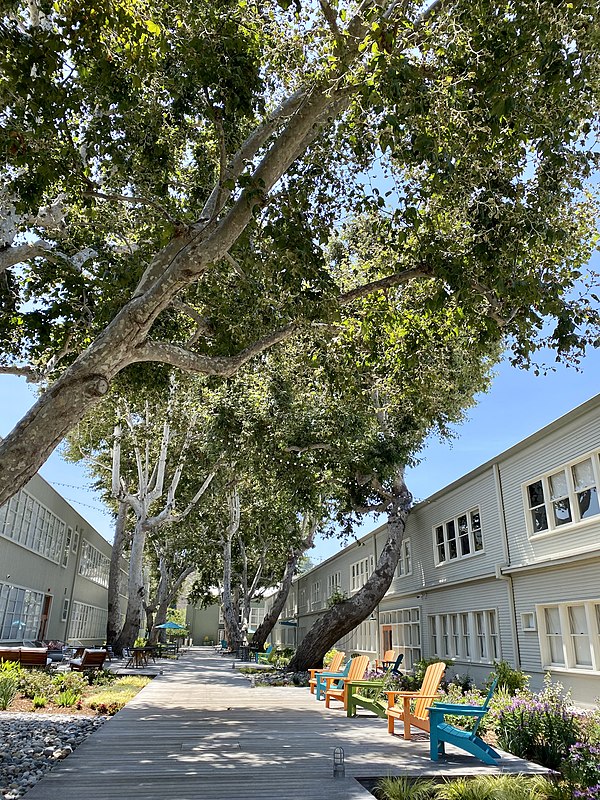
337 688
388 658
334 666
419 715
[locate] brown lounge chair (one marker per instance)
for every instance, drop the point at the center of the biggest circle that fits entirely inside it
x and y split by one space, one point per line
419 714
90 660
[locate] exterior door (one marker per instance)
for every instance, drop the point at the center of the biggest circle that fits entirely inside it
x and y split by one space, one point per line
386 638
44 618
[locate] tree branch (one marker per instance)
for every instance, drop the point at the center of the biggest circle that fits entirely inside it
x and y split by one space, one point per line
139 201
10 256
308 448
31 374
223 366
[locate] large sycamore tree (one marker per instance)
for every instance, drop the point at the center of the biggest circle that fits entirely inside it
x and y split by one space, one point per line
171 171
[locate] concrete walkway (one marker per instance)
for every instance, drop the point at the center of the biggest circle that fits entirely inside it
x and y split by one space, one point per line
201 731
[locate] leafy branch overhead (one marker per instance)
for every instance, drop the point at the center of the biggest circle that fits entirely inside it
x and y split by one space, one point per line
175 178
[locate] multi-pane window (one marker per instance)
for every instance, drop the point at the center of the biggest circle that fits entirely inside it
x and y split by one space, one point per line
67 547
32 525
87 622
363 639
334 583
470 636
565 496
20 612
570 635
93 564
65 610
404 562
405 626
315 595
302 601
360 571
458 537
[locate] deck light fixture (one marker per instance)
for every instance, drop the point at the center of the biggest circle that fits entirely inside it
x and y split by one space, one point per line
339 769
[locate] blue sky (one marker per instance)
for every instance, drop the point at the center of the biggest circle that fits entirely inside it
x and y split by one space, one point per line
517 405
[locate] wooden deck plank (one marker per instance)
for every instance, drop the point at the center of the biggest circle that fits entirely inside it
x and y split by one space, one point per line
201 731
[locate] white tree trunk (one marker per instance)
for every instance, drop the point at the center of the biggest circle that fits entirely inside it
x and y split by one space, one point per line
113 622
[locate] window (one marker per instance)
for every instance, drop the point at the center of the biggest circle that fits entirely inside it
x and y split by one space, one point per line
363 639
20 612
93 564
316 595
256 617
565 496
359 573
528 621
67 547
75 544
87 622
458 538
302 601
569 635
404 562
32 525
334 583
405 625
470 636
65 610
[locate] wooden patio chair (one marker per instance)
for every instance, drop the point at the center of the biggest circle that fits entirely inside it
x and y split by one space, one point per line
376 701
388 659
90 660
334 666
323 679
337 688
265 656
418 715
442 731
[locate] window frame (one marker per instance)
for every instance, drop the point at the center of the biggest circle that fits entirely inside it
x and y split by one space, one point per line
454 543
469 636
404 566
549 502
360 572
567 636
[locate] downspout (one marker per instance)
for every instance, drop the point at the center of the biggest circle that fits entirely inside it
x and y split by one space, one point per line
499 574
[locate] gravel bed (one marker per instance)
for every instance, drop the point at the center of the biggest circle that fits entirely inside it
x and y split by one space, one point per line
31 744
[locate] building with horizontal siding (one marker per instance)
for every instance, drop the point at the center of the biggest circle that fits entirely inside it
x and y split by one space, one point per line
53 570
502 564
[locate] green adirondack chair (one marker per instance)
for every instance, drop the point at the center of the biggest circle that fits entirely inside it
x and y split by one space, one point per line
374 702
267 656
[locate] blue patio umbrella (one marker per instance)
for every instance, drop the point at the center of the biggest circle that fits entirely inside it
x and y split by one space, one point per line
171 626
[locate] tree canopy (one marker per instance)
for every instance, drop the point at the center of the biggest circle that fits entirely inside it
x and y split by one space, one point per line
175 178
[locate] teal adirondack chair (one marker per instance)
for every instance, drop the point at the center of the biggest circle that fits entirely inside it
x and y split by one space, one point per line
374 703
321 677
441 731
265 656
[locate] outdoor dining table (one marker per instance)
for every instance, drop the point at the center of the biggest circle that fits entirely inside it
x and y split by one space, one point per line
139 656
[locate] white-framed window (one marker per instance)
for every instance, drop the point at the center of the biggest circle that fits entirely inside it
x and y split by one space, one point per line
87 622
405 627
20 612
315 595
565 496
360 572
93 564
30 524
334 583
67 547
75 544
528 621
362 639
256 617
302 600
405 561
458 538
569 635
468 636
65 610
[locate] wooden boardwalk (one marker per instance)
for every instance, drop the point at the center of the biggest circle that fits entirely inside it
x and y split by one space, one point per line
201 731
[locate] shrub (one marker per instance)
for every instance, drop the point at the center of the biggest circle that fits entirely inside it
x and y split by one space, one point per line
465 789
8 689
101 677
39 701
67 698
581 767
35 682
73 681
329 657
421 667
405 789
455 694
540 728
510 680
